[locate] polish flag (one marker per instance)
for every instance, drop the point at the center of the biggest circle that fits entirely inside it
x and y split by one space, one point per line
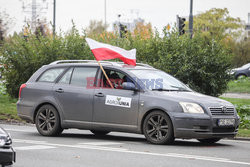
104 51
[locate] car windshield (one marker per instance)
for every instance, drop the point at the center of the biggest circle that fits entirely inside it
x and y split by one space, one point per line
246 65
158 80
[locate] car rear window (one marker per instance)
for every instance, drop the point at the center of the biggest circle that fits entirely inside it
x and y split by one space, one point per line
66 77
51 75
81 75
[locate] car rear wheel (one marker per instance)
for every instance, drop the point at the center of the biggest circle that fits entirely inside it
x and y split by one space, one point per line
240 76
158 128
99 132
48 121
209 141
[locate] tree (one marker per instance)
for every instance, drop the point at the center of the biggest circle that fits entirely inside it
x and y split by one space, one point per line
198 62
96 27
217 23
144 30
241 50
42 29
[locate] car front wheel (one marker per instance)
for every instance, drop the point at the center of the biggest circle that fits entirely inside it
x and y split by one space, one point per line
48 121
158 128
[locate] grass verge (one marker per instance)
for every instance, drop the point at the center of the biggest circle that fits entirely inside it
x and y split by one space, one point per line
244 133
239 86
236 101
8 110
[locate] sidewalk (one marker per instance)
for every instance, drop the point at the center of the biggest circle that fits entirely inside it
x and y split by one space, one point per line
236 95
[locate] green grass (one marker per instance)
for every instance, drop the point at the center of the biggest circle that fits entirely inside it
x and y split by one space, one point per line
239 86
244 133
8 110
235 101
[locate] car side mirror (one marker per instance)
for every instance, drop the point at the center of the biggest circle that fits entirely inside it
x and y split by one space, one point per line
129 86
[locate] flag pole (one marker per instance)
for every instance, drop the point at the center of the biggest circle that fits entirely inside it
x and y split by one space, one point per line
105 75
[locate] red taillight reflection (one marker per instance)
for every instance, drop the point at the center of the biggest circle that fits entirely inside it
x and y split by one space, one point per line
20 90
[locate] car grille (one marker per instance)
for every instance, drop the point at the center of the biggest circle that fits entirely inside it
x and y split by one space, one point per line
219 111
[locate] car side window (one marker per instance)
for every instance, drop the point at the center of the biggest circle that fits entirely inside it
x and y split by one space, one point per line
66 77
116 78
81 75
51 75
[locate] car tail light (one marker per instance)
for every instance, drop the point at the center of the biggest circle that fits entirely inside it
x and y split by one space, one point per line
20 90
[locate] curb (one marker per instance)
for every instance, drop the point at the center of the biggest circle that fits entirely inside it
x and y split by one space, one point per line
236 95
14 122
242 138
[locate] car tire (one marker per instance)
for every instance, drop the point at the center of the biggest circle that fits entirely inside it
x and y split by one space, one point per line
48 121
209 141
99 132
239 76
158 128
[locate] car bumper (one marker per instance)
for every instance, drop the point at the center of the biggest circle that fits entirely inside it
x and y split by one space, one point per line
202 127
24 111
8 156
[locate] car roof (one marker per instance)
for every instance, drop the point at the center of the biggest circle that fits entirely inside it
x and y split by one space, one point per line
119 65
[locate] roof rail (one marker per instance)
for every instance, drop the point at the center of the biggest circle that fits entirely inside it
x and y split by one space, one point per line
80 61
144 65
94 61
139 64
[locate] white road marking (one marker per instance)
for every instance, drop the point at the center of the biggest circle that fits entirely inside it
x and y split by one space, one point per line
122 150
64 145
35 147
19 130
29 141
197 156
100 148
101 143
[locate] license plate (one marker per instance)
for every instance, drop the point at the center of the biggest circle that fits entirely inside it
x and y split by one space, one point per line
226 122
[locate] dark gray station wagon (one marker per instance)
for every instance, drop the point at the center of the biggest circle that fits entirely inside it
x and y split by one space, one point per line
75 94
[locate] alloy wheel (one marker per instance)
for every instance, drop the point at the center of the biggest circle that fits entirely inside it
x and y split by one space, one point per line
157 127
46 120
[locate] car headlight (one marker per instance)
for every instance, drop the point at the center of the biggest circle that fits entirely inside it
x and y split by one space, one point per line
232 72
5 139
191 108
2 141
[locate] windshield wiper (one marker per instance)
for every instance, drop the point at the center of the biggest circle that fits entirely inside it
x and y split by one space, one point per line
161 89
180 88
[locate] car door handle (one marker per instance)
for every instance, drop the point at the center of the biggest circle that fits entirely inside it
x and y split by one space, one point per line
60 90
99 94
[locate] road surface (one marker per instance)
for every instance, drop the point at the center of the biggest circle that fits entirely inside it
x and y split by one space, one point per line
81 148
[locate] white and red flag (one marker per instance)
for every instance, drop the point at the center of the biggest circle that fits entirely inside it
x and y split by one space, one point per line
104 51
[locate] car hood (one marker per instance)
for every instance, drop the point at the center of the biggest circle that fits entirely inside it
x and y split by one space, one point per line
237 69
194 97
5 138
3 132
